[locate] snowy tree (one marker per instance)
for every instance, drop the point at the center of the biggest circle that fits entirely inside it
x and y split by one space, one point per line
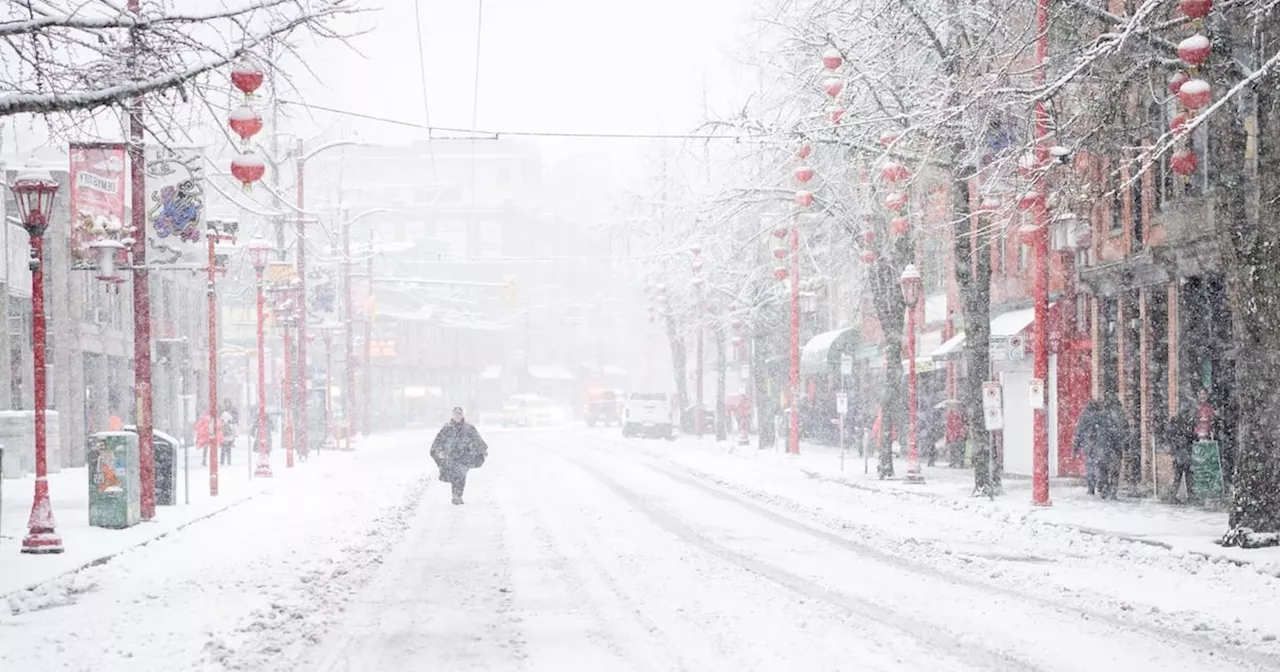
62 56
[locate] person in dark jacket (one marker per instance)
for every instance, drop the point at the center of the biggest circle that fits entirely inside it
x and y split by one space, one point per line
1113 435
457 449
1089 430
1181 435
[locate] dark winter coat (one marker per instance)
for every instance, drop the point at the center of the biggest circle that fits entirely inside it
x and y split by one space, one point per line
1101 432
1181 435
457 448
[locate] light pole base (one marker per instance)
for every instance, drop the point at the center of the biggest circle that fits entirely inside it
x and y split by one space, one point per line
42 542
1048 503
915 478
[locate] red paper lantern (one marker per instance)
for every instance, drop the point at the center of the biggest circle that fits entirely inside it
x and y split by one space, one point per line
831 59
868 256
1194 50
1029 200
894 172
245 122
780 231
834 114
248 168
695 249
868 238
246 76
1176 82
896 200
802 174
804 198
1196 9
736 324
864 176
1180 122
780 272
888 138
780 252
1195 94
803 151
899 226
696 266
1183 162
833 86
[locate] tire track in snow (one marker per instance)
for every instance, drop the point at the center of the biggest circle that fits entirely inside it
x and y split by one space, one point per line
643 643
759 502
945 644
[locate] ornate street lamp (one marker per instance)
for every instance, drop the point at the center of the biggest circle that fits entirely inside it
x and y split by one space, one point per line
34 191
259 250
912 285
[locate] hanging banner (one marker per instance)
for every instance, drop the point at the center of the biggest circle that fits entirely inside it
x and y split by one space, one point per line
97 198
175 206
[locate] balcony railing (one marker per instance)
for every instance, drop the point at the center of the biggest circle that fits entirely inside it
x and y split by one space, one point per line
1185 220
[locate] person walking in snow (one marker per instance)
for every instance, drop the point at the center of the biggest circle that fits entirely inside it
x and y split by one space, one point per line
1088 436
1113 435
1180 435
457 449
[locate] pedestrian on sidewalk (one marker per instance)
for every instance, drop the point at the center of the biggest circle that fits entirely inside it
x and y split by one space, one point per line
457 449
1088 436
226 437
204 437
1181 433
1111 440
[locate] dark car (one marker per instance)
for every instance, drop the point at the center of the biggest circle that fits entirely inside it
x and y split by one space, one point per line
604 407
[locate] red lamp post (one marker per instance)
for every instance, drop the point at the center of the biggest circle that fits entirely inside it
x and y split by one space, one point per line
1040 283
259 249
214 235
34 191
911 287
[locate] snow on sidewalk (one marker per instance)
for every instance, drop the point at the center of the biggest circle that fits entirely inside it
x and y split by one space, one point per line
1182 529
240 589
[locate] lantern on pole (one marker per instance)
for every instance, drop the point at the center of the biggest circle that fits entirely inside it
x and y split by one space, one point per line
34 191
245 122
248 168
831 59
912 286
247 76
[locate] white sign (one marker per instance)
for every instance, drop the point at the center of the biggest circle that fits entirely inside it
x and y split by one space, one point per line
992 396
175 205
842 403
846 365
1037 393
993 419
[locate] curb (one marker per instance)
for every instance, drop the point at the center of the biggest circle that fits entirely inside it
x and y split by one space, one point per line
1083 529
104 559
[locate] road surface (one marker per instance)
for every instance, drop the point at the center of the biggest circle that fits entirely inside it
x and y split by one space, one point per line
577 549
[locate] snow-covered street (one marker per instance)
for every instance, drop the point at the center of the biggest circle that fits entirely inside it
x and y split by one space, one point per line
578 549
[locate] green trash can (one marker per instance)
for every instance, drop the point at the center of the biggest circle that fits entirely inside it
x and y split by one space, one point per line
115 495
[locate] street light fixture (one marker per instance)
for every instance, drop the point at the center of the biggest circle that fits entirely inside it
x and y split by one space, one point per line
912 285
259 250
34 191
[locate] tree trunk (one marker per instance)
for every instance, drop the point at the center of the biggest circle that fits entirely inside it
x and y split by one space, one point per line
892 311
722 369
973 274
678 363
1247 217
766 403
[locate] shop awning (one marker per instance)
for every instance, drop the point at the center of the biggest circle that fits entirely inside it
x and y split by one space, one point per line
1003 326
821 354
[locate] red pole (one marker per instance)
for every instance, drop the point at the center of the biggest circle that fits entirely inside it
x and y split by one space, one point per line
368 343
288 386
300 393
793 438
913 400
212 291
1040 346
41 535
141 296
264 458
349 403
328 386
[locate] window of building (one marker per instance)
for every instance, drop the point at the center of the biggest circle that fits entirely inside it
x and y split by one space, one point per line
1116 202
1137 201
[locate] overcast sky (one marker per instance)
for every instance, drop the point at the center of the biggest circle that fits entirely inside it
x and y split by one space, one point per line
545 65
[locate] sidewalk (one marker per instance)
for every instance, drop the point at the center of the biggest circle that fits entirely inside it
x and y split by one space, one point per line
84 545
1182 529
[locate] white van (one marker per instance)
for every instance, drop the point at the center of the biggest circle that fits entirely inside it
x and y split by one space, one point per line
650 414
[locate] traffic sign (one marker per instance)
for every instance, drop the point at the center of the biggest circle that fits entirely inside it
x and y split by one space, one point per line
992 396
1036 388
842 403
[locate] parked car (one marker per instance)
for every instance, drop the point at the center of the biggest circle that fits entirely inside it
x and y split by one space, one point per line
532 410
651 414
605 407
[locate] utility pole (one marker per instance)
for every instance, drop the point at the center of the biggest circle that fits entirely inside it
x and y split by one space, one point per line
141 292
